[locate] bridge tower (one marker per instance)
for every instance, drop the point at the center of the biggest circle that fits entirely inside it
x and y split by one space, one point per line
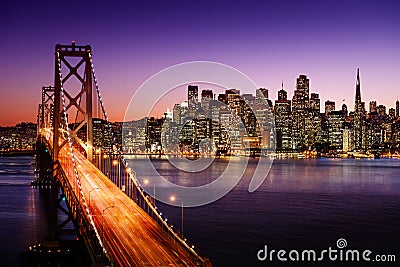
71 97
43 156
47 106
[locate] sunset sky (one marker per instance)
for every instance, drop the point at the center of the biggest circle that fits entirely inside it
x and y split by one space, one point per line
269 41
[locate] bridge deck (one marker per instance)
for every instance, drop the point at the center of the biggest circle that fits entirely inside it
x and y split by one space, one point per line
130 234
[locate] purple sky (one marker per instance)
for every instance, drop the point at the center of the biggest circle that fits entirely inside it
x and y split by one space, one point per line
269 41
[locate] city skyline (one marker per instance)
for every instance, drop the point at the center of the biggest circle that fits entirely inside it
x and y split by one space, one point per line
268 41
165 104
238 124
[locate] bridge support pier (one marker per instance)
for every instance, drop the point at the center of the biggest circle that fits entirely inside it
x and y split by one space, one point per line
43 170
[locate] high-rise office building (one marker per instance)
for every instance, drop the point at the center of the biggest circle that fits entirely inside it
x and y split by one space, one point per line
358 115
392 113
381 109
329 106
300 104
397 108
102 137
335 129
282 94
235 103
176 114
303 86
372 107
261 96
233 100
315 103
262 92
206 97
313 128
153 134
348 139
345 110
222 98
283 121
193 99
313 122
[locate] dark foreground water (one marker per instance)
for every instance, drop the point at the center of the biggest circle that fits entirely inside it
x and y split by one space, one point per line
304 204
23 210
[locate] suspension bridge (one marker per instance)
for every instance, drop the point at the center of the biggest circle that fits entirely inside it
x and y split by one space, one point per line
80 155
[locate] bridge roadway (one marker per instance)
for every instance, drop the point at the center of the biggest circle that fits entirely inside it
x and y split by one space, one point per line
130 234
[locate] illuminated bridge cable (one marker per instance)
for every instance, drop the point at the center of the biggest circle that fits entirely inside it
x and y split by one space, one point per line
132 173
69 139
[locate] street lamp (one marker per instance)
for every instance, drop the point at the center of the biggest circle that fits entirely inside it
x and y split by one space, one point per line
102 223
89 194
116 163
146 182
173 198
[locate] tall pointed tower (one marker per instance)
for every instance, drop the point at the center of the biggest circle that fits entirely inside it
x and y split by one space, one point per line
358 115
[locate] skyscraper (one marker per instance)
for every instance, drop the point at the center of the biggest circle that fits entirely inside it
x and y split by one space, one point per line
392 113
300 104
206 97
372 106
344 110
397 108
283 121
303 86
335 129
358 115
315 102
282 94
177 114
381 109
193 98
329 106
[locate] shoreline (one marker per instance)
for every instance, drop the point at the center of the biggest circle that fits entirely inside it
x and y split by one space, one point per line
17 153
299 156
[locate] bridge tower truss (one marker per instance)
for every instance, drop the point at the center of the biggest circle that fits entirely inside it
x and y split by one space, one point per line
64 56
47 106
